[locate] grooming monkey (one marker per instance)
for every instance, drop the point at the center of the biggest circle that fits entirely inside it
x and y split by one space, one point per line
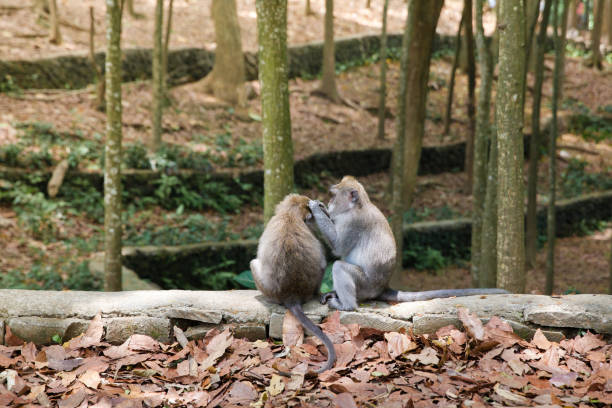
290 263
360 235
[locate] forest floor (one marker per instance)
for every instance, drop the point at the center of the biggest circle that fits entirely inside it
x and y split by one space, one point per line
230 140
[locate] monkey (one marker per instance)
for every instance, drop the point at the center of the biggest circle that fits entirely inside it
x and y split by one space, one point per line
291 262
360 235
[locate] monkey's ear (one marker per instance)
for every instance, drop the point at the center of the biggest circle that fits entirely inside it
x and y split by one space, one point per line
354 195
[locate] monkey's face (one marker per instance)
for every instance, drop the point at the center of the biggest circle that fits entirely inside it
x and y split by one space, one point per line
345 196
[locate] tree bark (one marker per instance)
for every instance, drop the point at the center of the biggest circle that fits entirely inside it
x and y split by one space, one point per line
532 7
572 18
552 148
383 74
131 11
471 74
308 9
534 143
596 59
112 158
158 78
226 80
419 53
482 136
397 169
509 118
100 83
165 47
55 36
609 24
566 9
276 122
451 82
328 88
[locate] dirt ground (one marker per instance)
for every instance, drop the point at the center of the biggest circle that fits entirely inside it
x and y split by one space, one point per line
317 125
24 35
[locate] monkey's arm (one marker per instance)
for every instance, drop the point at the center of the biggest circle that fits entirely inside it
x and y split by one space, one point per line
324 223
391 295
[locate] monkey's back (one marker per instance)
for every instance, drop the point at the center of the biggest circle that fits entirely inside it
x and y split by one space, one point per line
291 261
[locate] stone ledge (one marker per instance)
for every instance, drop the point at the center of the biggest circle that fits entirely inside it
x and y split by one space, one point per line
39 315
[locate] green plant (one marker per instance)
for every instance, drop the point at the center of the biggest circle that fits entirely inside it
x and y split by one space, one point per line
36 213
8 85
41 276
9 155
83 197
576 181
424 258
591 127
135 157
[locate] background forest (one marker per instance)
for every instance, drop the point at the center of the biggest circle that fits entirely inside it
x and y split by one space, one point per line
175 113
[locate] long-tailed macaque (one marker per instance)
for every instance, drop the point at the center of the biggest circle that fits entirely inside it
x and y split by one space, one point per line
290 263
360 235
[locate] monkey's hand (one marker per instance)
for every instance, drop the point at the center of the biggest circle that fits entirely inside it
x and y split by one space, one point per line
325 297
317 206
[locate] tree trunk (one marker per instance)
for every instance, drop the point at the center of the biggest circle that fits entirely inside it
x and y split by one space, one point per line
448 117
166 45
572 18
397 169
276 122
419 53
100 83
426 15
55 36
308 11
328 88
532 7
383 74
609 25
471 74
226 80
566 9
509 118
552 148
482 136
112 157
131 11
158 79
596 59
532 180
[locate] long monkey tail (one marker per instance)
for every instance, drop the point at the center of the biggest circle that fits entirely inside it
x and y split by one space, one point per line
390 295
297 311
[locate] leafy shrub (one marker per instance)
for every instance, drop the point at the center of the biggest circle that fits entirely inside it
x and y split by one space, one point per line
135 157
73 276
36 213
9 155
83 197
576 181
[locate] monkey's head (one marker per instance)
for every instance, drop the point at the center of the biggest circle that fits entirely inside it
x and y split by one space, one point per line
296 205
347 195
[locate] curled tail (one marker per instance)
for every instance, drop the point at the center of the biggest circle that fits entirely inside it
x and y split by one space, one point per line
390 295
297 311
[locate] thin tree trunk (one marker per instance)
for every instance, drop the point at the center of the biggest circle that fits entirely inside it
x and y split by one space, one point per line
481 138
158 104
112 158
510 216
397 205
55 36
131 11
426 14
226 80
532 179
552 149
100 83
532 8
276 122
471 102
383 74
609 25
328 88
566 9
596 59
165 54
451 82
308 11
572 21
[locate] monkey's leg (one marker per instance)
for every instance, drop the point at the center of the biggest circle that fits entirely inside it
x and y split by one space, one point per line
347 279
325 297
324 223
390 295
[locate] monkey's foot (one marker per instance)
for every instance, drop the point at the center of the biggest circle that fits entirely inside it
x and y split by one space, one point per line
326 297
